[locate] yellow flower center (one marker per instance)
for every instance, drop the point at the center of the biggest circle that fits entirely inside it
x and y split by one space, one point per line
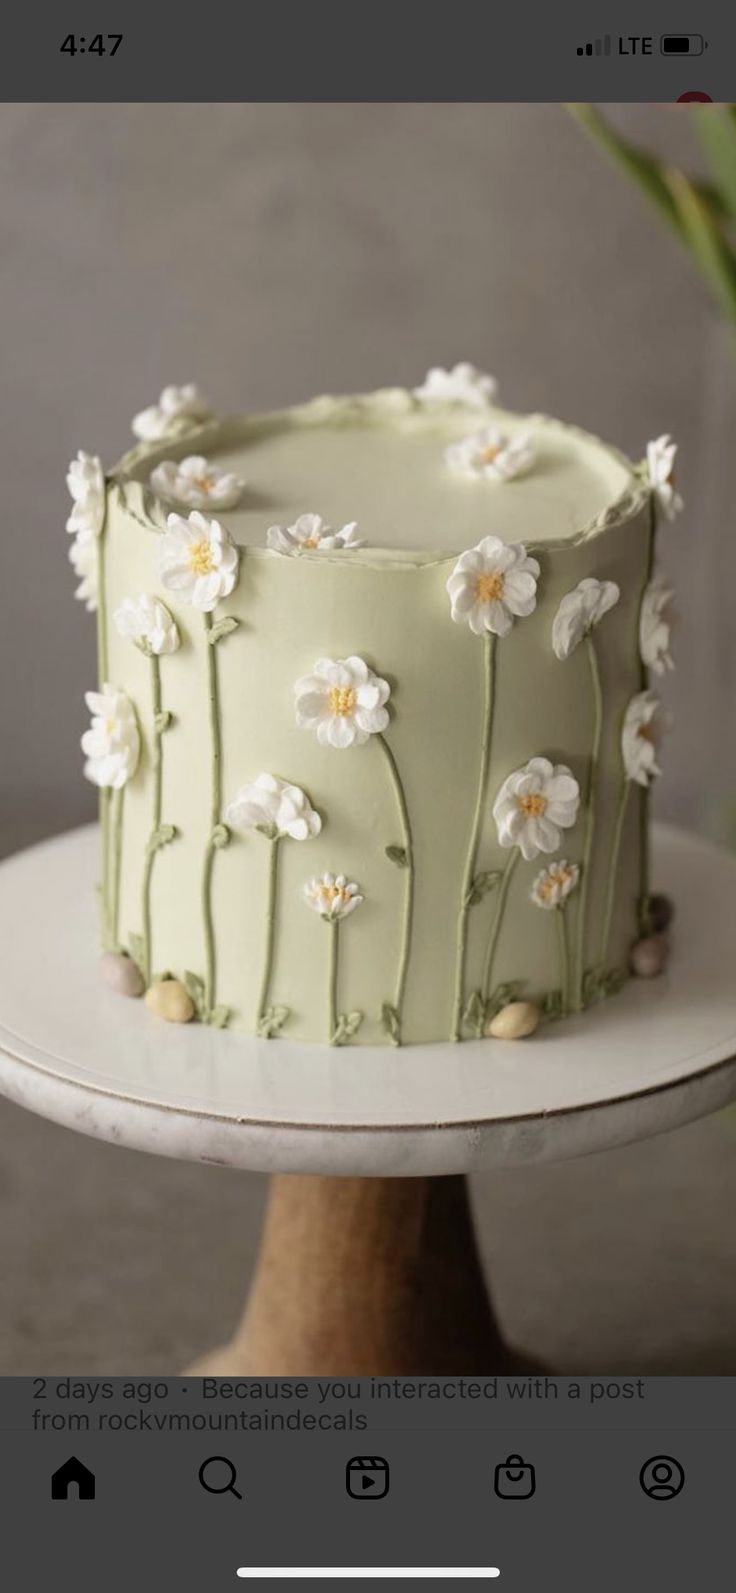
335 893
204 483
490 453
557 879
489 588
342 701
534 805
648 733
200 558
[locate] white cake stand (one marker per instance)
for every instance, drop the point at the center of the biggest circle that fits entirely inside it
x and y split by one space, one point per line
372 1268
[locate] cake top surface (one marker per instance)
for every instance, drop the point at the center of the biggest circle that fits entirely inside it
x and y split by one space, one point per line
381 460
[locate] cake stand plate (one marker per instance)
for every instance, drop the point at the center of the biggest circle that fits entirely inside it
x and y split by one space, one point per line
380 1122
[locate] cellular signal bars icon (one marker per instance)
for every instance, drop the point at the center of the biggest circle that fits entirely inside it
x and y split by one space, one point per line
598 47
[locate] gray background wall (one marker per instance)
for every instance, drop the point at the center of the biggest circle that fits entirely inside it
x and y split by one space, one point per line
270 252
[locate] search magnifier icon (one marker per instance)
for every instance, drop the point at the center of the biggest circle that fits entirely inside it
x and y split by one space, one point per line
218 1475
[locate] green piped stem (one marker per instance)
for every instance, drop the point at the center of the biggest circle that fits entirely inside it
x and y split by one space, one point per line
268 958
105 794
210 956
407 919
613 871
644 793
116 825
333 925
563 950
157 767
501 896
489 687
590 797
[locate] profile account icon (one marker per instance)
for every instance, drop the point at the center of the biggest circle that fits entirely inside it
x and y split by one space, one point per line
662 1477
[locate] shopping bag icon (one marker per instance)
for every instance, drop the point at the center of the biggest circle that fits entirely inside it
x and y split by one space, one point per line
515 1479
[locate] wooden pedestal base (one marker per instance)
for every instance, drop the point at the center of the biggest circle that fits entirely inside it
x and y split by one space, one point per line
365 1275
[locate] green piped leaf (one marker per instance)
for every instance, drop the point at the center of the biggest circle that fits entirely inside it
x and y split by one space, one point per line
269 830
223 627
348 1024
391 1023
137 949
398 855
121 494
553 1004
220 1017
593 981
614 980
196 988
272 1022
501 996
220 836
162 721
474 1013
482 884
163 836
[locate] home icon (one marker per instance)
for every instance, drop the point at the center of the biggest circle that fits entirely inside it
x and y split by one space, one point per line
70 1474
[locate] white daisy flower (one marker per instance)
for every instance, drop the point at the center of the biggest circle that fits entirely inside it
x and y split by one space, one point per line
343 701
656 619
490 455
493 584
112 744
534 804
86 482
198 561
147 622
643 725
661 466
579 611
195 483
175 403
332 896
83 559
553 885
463 384
276 807
310 534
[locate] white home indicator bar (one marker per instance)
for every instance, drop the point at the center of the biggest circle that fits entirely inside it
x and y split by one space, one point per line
369 1570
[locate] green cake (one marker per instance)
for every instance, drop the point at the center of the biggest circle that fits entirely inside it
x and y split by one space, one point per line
374 734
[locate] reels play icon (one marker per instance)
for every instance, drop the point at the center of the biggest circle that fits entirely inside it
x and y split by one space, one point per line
366 1477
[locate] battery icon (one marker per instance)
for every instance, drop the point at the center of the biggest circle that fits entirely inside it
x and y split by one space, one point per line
682 44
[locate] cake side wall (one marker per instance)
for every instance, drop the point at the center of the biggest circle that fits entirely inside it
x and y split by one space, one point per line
290 613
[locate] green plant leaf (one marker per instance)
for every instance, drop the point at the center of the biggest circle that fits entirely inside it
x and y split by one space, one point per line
398 855
552 1004
220 1017
643 168
708 244
220 836
162 721
390 1023
716 128
272 1022
482 884
223 627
